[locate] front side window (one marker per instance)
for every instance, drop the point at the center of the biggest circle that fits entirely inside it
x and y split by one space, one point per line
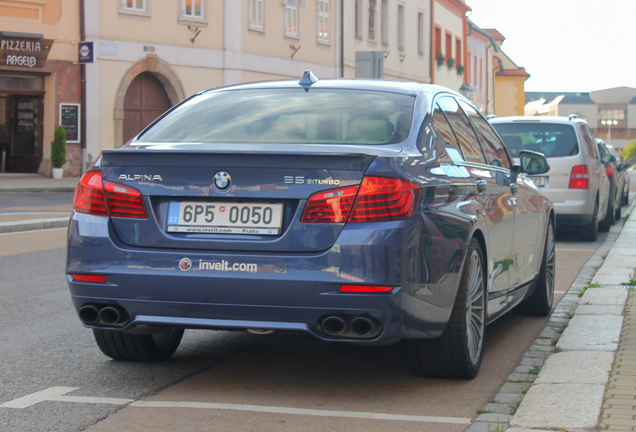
492 146
288 116
323 21
256 15
291 21
192 9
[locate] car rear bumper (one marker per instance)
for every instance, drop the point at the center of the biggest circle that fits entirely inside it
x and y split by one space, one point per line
297 292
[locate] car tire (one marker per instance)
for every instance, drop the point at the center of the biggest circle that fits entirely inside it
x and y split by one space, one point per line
618 214
590 231
141 348
607 223
540 301
458 352
626 196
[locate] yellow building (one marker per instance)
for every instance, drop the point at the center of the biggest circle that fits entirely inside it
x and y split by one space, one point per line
510 96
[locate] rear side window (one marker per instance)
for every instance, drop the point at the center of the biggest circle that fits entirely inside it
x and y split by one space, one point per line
288 116
553 140
589 141
464 131
445 135
493 148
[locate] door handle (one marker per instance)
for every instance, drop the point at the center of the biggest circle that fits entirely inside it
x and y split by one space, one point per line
481 185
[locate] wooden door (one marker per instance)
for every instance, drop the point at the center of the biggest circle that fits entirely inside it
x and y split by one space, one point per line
145 100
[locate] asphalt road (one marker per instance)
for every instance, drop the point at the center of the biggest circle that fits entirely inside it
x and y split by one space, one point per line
44 346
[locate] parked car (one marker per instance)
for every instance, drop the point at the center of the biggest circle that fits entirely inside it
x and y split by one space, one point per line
352 210
617 184
622 172
577 182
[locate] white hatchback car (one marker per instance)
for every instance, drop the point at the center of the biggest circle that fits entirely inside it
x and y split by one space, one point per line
577 183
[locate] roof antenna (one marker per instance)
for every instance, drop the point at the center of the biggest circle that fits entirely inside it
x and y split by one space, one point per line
307 80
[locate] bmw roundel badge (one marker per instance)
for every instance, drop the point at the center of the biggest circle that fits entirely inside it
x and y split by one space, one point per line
222 181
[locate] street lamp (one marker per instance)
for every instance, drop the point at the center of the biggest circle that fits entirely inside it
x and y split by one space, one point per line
466 90
609 124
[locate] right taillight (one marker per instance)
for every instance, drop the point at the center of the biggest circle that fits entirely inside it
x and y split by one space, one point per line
579 178
92 196
377 199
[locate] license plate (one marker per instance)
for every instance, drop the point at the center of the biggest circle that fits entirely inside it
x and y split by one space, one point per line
225 218
539 181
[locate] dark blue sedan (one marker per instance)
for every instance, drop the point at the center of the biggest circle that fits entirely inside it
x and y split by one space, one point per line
355 211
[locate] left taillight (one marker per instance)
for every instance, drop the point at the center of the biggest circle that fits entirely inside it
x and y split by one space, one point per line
377 199
104 198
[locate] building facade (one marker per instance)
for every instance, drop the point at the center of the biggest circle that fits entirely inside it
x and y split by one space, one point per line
480 76
40 83
450 29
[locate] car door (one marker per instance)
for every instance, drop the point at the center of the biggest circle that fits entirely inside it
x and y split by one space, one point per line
528 217
492 192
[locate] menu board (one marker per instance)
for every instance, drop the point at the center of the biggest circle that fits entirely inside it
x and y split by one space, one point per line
70 121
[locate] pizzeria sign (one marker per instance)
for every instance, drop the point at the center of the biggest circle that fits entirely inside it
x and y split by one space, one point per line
26 52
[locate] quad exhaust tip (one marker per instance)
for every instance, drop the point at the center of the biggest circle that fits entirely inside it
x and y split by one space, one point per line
350 327
105 315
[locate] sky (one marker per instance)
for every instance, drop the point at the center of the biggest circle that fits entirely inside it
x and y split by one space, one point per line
565 45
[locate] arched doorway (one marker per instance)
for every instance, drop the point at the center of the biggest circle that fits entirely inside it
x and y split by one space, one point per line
145 100
163 74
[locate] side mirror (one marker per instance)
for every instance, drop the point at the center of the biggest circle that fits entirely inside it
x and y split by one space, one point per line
533 163
608 158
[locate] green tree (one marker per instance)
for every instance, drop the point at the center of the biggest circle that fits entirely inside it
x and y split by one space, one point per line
629 152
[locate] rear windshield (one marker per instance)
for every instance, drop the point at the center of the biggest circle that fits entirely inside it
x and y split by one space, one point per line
288 116
553 140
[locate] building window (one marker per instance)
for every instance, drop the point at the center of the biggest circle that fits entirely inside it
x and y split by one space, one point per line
458 51
323 21
359 20
256 15
438 41
134 5
192 9
612 114
372 30
449 45
400 27
384 16
420 33
291 21
135 8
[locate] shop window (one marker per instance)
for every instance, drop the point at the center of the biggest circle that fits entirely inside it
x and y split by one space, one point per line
291 21
256 15
135 8
323 21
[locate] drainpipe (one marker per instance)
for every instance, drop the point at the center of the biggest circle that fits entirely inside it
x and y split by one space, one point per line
342 37
83 90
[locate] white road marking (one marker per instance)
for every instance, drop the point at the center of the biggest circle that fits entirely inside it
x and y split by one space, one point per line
57 394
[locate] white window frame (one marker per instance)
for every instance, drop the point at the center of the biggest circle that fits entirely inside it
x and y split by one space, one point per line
189 19
291 21
323 20
253 13
135 12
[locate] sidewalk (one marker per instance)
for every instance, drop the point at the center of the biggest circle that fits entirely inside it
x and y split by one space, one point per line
35 219
580 371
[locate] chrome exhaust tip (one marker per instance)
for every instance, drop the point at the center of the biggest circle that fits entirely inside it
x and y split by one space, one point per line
362 326
334 325
89 314
110 315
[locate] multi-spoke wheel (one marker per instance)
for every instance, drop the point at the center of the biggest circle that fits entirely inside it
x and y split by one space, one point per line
457 353
540 302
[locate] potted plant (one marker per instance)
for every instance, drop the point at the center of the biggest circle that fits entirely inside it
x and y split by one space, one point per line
450 62
58 152
460 69
439 58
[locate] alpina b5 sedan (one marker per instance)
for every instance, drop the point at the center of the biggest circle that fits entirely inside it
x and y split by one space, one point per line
355 211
